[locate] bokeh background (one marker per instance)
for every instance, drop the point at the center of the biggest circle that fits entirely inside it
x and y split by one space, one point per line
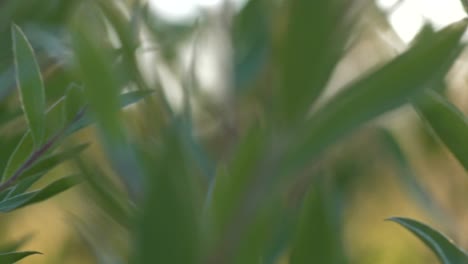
221 49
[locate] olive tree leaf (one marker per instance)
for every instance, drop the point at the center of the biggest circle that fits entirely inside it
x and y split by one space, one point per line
13 257
447 122
19 155
41 168
446 251
168 229
31 85
387 88
315 39
21 200
318 238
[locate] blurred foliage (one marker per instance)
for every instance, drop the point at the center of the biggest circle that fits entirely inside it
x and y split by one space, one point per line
272 165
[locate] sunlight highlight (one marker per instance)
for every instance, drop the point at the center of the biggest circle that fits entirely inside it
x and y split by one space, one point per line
409 16
183 10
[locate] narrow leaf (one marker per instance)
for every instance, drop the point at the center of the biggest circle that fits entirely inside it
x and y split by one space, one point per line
25 148
22 151
231 184
23 185
251 43
315 39
445 250
447 122
391 86
131 98
168 229
239 204
258 233
54 188
317 238
31 85
57 109
13 257
101 81
25 199
126 99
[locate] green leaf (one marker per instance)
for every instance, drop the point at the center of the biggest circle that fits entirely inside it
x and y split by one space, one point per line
126 99
281 237
13 257
239 193
196 150
24 149
231 184
446 251
56 112
389 87
447 122
31 86
251 43
21 153
101 81
133 97
168 230
23 185
317 238
315 39
9 144
55 122
258 233
21 200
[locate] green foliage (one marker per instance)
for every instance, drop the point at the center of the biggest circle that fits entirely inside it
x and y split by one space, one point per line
8 258
317 33
16 201
168 229
31 86
318 234
385 89
253 179
33 156
448 123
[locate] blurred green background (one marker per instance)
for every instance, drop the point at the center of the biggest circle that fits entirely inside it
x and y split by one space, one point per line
221 102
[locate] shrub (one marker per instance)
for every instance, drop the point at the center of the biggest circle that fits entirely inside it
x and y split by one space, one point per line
260 188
